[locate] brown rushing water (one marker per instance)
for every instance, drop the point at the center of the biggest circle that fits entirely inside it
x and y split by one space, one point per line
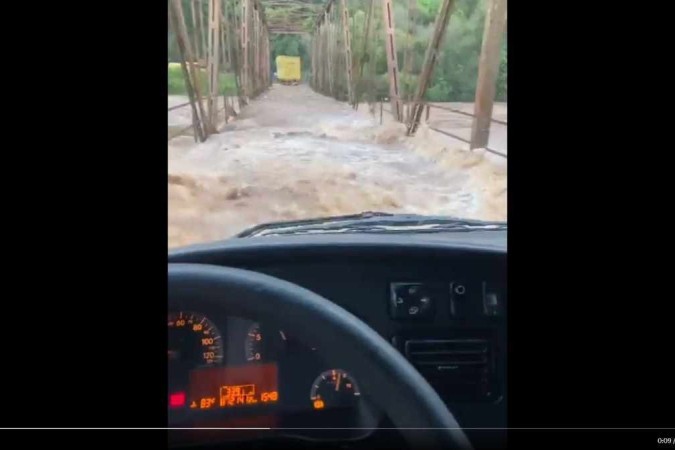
295 154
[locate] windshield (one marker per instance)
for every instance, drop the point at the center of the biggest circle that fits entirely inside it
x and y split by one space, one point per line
293 110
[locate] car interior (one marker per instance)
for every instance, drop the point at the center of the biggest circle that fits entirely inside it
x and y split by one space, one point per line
340 339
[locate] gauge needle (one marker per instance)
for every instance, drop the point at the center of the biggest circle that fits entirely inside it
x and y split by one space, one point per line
337 384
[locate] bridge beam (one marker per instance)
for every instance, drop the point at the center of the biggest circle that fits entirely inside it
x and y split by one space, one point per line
213 58
392 59
235 39
349 63
488 69
201 28
430 59
194 4
364 54
408 55
245 65
189 70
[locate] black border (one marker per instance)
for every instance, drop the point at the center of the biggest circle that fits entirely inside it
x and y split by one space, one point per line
590 314
84 308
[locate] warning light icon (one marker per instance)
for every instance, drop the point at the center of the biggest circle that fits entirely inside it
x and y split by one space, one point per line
193 405
318 404
177 399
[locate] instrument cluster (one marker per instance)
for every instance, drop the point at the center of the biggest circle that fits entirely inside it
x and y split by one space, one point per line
224 370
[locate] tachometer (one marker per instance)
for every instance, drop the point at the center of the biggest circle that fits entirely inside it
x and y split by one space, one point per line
193 341
334 388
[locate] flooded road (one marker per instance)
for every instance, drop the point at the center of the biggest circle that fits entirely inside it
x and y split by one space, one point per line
295 154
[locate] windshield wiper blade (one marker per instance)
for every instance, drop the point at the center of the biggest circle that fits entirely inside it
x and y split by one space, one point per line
391 230
310 222
373 222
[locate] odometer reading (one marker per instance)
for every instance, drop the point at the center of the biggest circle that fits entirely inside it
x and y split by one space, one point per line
194 340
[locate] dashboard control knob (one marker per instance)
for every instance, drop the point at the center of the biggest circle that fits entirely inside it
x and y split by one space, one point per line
411 301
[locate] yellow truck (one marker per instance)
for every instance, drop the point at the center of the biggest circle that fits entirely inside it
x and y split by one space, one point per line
288 69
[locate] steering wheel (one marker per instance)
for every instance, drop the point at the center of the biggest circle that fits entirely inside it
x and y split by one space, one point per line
392 383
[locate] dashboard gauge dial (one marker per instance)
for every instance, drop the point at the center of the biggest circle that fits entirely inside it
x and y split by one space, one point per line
334 388
262 344
254 343
194 341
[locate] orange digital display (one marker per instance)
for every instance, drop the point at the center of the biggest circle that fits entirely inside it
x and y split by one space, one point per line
232 387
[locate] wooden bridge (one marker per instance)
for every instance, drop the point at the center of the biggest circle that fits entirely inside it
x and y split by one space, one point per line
234 36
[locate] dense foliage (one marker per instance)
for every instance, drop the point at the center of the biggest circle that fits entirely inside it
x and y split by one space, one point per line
456 73
177 82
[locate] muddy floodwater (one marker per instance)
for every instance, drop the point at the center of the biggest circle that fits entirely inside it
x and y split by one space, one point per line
295 154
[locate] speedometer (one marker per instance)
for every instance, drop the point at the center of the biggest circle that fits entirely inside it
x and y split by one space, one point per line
194 341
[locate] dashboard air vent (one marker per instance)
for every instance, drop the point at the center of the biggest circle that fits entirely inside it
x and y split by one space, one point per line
459 367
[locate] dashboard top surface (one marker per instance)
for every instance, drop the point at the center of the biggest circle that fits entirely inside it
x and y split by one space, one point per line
470 242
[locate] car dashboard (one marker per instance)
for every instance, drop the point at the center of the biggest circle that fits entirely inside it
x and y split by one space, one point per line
439 299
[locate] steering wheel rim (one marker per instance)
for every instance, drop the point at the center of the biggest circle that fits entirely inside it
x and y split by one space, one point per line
392 383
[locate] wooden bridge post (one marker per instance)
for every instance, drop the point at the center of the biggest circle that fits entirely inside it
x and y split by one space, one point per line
430 59
329 51
213 55
326 59
488 69
335 49
256 50
322 58
392 59
315 60
178 24
196 26
201 30
244 45
269 59
263 70
364 54
224 49
348 52
263 58
233 33
409 56
324 55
